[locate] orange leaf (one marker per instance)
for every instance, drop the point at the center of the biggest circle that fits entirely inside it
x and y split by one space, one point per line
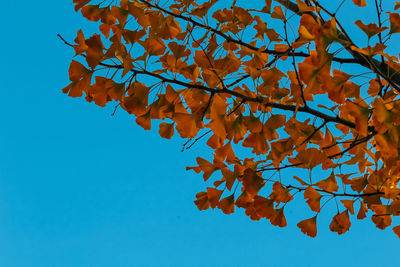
280 194
206 167
394 19
370 29
362 212
278 218
329 184
258 142
252 182
311 157
244 200
186 125
80 3
227 205
340 223
313 198
396 230
267 7
154 47
94 53
299 180
309 226
77 71
213 196
360 3
229 176
381 217
264 206
349 204
144 121
201 201
278 13
166 130
81 43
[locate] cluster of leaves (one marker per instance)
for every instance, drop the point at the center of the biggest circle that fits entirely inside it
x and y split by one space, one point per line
279 91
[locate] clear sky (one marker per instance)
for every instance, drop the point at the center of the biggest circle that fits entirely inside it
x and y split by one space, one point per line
79 187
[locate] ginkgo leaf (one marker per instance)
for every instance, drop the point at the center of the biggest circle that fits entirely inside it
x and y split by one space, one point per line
80 3
329 184
244 200
278 218
185 125
309 226
204 166
252 182
229 176
396 230
311 157
267 7
81 43
381 218
201 201
94 52
227 205
154 47
313 198
278 13
394 19
280 193
370 29
362 212
258 142
144 121
349 204
77 71
213 196
340 223
360 3
299 180
264 206
166 130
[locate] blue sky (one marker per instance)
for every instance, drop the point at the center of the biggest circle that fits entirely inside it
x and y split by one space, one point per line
79 187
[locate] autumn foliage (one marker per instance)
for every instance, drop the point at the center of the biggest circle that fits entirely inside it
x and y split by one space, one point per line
294 103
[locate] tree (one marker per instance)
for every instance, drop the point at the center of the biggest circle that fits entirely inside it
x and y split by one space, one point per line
279 86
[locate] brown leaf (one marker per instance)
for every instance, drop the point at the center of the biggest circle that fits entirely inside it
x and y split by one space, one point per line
329 184
227 205
309 226
213 196
340 223
201 201
313 198
252 182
